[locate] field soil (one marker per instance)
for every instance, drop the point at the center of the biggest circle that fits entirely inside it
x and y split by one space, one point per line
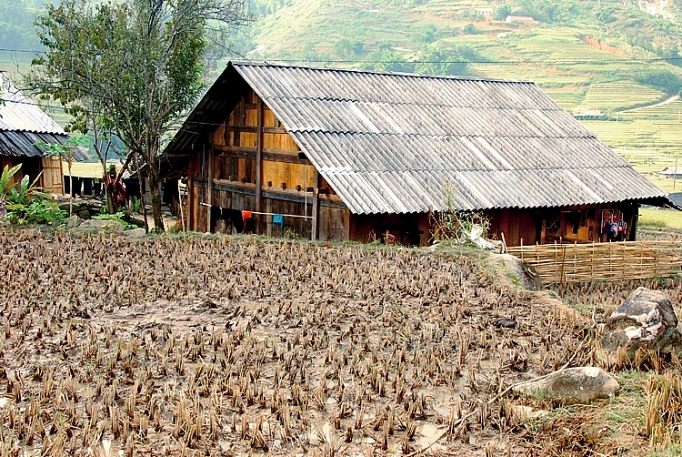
201 345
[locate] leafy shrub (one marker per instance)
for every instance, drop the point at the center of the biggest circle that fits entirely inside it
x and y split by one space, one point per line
42 211
24 202
470 29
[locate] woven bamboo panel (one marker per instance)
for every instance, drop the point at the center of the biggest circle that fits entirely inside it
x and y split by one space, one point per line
563 263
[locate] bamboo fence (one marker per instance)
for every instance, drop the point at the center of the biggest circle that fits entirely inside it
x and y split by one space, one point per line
563 263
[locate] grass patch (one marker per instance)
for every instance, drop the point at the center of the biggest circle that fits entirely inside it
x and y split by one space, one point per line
650 217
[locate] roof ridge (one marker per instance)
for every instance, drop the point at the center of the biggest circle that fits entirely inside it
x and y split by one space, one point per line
332 99
354 132
250 63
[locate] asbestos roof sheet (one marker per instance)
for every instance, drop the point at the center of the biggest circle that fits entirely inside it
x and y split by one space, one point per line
23 123
401 143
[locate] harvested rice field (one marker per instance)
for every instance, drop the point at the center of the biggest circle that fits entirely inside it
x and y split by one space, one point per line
189 346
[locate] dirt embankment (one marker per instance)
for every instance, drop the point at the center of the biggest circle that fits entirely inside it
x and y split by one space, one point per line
602 46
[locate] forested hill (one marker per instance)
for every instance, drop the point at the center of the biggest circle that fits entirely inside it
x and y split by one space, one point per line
16 24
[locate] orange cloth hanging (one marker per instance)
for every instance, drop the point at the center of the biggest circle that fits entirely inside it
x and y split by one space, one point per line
246 215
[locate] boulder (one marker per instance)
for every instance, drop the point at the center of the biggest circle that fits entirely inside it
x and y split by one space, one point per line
572 385
101 225
645 320
84 214
136 233
519 272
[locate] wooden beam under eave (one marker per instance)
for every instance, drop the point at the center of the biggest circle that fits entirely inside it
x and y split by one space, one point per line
316 205
209 200
259 164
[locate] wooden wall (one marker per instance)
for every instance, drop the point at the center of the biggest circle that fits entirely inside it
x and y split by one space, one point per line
52 179
582 224
255 165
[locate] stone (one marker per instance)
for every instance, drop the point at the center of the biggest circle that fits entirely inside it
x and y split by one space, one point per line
101 225
645 320
75 208
519 271
84 214
572 385
504 323
135 233
73 221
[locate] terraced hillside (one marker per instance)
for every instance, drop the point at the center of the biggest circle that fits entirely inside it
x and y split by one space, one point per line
603 58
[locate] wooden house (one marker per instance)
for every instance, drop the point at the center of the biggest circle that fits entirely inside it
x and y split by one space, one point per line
358 155
22 126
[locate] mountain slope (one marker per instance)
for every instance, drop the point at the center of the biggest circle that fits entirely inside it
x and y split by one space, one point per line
594 58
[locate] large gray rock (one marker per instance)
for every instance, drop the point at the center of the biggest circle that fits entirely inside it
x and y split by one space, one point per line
101 226
136 233
572 385
645 320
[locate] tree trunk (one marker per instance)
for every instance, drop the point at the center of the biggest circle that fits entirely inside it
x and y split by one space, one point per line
155 190
107 195
110 201
71 192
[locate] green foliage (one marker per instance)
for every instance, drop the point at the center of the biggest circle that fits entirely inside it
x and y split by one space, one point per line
23 192
663 80
6 184
63 151
502 12
121 217
438 60
43 211
24 201
470 29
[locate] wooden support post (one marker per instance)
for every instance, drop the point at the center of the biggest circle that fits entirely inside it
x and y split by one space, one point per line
209 197
316 206
259 165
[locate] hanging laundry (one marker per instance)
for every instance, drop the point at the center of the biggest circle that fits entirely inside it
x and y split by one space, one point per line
278 219
246 215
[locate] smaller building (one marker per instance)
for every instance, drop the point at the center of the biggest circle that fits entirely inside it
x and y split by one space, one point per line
512 18
22 126
671 172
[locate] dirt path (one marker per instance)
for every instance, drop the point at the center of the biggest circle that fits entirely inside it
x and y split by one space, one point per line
665 102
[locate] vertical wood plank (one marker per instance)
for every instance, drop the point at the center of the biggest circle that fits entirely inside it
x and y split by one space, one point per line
210 189
316 205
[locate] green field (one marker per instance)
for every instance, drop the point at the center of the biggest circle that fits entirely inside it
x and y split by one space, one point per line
660 218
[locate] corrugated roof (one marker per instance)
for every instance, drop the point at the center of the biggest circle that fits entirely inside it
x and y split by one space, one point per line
400 143
23 123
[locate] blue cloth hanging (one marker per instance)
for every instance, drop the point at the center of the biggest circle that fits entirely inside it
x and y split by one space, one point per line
278 219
